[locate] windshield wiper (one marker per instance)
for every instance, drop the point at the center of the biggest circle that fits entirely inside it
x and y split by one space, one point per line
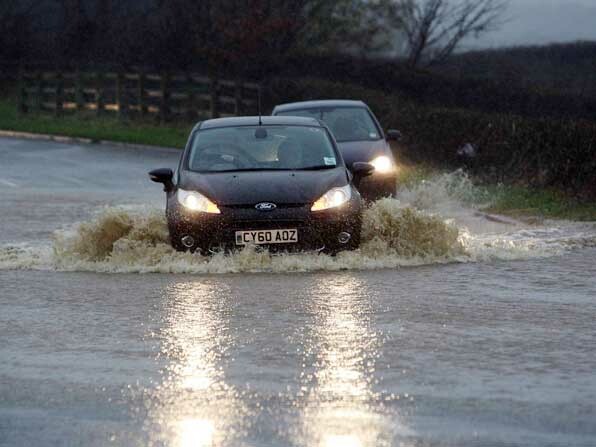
244 170
308 168
317 168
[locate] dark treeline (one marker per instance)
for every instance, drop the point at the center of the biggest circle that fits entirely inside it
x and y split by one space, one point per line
240 37
435 87
264 39
569 68
235 37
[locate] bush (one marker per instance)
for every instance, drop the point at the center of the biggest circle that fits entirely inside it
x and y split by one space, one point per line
493 93
538 152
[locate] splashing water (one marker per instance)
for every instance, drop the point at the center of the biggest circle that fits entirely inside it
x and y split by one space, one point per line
408 233
436 221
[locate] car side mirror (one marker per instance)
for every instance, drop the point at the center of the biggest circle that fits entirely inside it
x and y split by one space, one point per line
394 135
163 175
360 170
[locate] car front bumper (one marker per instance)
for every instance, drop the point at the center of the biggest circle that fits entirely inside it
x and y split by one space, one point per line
216 232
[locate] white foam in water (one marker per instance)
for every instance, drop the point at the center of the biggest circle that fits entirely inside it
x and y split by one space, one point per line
436 221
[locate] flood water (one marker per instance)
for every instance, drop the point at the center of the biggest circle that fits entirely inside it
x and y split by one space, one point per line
489 343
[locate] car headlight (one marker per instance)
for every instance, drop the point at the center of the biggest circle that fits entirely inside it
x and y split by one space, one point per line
333 198
383 164
195 201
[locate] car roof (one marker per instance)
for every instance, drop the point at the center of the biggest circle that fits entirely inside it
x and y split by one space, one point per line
318 104
254 121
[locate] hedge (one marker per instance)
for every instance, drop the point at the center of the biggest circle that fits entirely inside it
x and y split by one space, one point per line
539 152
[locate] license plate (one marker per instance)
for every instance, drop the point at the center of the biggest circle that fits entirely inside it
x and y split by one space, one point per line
289 236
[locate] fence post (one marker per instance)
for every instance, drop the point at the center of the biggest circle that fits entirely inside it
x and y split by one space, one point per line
22 93
238 98
79 96
165 96
121 96
214 98
191 111
99 86
141 95
39 87
59 94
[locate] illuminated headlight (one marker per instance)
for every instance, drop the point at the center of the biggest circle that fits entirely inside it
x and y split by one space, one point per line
195 201
383 164
333 198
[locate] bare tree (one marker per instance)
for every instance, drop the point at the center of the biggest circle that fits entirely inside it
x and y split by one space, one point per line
434 28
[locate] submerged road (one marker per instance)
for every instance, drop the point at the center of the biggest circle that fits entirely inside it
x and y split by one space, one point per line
494 353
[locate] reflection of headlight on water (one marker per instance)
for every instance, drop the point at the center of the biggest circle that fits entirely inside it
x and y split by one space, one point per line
341 441
383 164
195 433
198 382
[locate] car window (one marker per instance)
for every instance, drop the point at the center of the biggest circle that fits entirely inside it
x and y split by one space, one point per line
261 148
346 123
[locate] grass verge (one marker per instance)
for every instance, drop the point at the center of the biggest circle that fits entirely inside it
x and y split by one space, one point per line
90 126
522 202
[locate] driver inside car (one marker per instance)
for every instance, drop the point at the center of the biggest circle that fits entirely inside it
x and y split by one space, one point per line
289 155
218 156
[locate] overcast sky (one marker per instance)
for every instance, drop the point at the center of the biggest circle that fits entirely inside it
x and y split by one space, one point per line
543 21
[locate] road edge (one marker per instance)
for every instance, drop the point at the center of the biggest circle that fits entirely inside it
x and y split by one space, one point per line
79 140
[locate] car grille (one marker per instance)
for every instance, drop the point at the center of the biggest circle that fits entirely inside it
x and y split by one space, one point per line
269 224
280 206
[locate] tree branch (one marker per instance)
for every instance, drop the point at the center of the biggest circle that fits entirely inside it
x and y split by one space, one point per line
434 28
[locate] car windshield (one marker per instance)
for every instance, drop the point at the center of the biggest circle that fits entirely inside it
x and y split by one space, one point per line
346 123
261 148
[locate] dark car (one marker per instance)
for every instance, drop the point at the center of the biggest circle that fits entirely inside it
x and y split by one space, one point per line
278 182
359 136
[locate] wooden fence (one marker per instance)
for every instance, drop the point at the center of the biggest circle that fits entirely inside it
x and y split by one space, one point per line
135 95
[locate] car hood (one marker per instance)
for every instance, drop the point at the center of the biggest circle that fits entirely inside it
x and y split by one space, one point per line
249 188
353 151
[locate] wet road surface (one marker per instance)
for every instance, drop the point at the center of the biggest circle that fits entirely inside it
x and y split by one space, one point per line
495 353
